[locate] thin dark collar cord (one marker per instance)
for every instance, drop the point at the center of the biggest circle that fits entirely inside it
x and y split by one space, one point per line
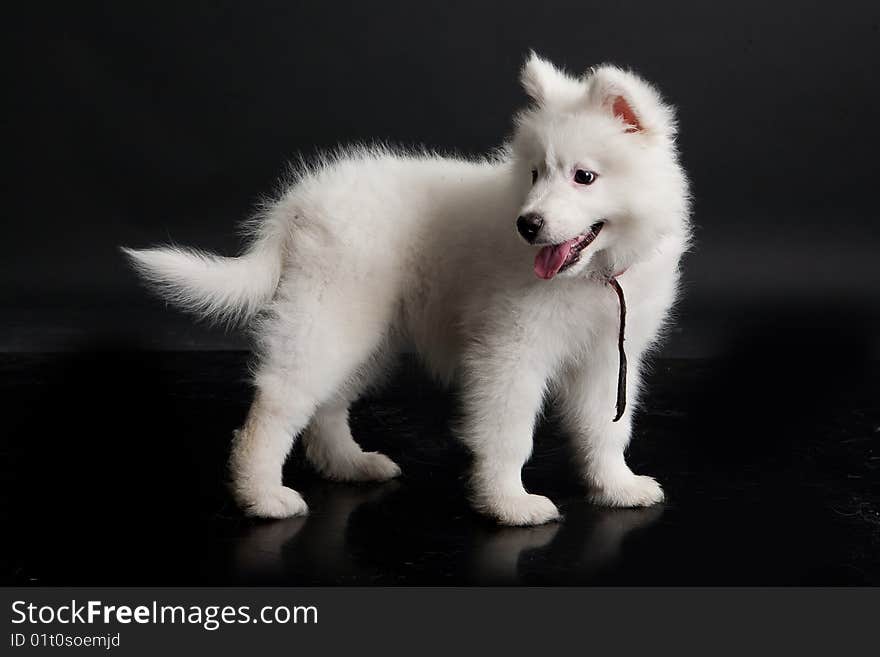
621 369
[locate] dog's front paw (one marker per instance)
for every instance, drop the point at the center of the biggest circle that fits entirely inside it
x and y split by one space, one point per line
633 490
519 510
361 467
272 502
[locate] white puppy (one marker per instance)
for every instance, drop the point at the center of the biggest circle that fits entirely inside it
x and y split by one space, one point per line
495 271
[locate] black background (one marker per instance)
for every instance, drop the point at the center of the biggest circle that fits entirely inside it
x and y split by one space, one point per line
138 123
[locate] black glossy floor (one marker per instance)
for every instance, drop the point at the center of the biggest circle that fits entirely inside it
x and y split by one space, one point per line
113 463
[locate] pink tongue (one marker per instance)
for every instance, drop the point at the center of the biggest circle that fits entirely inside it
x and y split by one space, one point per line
551 258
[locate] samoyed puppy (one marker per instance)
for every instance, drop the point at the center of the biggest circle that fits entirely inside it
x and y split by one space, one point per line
495 271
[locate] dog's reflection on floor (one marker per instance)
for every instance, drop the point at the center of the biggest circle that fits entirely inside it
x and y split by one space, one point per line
610 528
498 551
322 548
322 535
588 540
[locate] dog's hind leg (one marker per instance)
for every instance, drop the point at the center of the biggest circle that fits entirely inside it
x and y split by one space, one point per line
260 448
330 447
308 356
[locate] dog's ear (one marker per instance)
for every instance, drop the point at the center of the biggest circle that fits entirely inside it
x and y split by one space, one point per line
632 100
546 84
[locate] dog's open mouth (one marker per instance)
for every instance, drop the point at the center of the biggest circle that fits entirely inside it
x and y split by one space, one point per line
558 257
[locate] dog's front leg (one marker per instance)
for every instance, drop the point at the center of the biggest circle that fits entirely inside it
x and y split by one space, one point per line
503 392
587 397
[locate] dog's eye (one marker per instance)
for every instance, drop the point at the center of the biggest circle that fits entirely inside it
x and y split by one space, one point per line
582 177
534 176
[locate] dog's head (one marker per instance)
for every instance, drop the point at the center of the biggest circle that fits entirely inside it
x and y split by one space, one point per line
598 156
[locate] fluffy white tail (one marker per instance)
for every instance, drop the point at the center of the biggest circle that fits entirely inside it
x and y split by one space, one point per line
221 289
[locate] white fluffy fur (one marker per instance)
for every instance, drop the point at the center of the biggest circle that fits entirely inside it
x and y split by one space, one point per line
374 251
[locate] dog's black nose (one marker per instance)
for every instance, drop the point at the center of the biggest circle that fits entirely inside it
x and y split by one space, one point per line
528 226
